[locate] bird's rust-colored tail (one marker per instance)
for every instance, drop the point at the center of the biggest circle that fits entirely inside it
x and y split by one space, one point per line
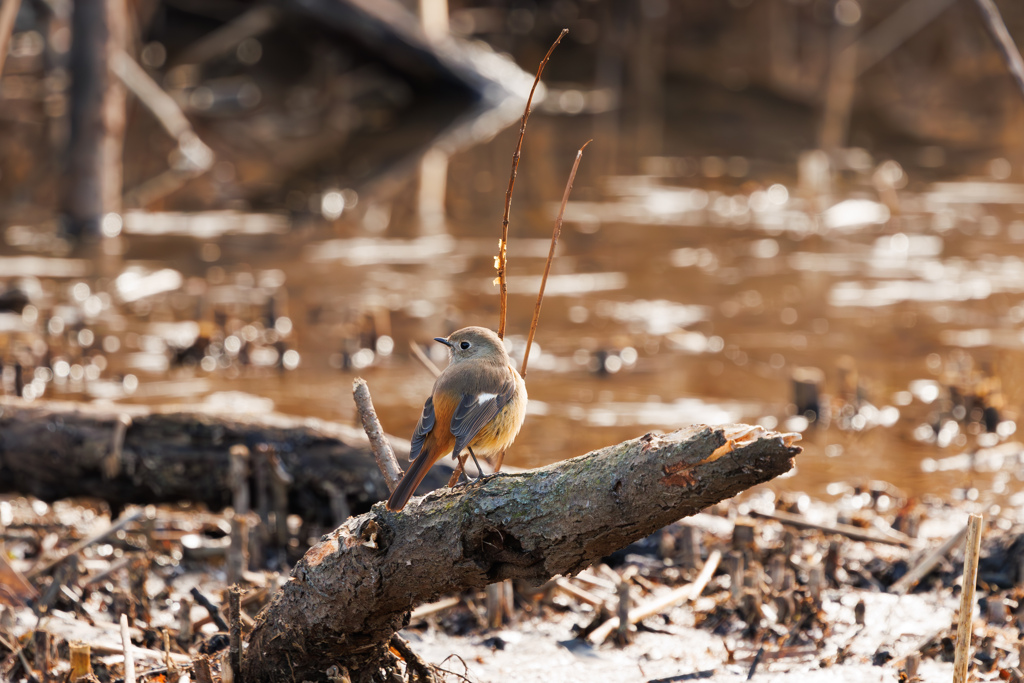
417 470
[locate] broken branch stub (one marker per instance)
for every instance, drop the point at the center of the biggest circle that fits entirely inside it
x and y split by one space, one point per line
354 589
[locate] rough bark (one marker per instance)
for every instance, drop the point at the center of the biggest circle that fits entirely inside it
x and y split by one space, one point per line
132 455
353 590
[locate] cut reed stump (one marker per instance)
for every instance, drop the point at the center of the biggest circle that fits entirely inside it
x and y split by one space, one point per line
353 591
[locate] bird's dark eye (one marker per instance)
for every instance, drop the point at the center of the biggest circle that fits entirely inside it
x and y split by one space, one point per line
464 345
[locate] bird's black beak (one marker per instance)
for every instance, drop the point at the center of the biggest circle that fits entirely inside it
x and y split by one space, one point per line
444 341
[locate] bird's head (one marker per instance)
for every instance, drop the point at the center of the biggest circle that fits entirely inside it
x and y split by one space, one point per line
474 342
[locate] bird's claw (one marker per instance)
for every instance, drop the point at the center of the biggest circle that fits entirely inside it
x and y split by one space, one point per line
467 479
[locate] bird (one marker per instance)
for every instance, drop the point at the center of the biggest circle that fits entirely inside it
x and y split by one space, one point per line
478 402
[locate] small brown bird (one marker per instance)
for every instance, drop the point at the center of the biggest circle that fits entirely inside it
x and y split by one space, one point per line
479 402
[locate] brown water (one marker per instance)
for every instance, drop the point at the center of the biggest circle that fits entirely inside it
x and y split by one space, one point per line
687 288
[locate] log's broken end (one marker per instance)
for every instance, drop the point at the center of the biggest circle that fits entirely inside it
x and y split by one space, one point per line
737 438
741 436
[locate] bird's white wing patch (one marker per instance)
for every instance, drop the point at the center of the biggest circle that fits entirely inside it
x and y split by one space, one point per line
484 398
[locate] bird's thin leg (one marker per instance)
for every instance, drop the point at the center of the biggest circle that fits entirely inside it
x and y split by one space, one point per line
459 468
479 470
498 460
496 464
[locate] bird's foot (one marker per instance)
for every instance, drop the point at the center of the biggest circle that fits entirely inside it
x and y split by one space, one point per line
466 479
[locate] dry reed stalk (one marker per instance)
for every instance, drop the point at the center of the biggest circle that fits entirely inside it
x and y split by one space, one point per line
963 630
551 256
502 257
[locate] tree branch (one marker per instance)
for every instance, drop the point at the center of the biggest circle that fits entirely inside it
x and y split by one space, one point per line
353 590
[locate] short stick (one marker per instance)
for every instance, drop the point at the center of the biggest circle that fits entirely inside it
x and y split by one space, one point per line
184 636
454 479
42 649
239 482
235 635
963 630
129 658
495 606
164 108
201 669
81 660
622 612
382 451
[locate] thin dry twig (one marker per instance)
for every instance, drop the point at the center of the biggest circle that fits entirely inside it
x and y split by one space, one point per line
856 533
465 667
86 542
580 594
413 661
424 611
1004 41
19 651
927 563
378 441
963 630
551 256
425 359
502 257
211 609
688 592
8 13
757 659
905 22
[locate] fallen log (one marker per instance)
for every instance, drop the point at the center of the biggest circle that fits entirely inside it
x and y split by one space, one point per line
132 455
353 591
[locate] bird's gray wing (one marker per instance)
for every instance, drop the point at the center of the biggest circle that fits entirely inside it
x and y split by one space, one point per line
476 409
423 428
